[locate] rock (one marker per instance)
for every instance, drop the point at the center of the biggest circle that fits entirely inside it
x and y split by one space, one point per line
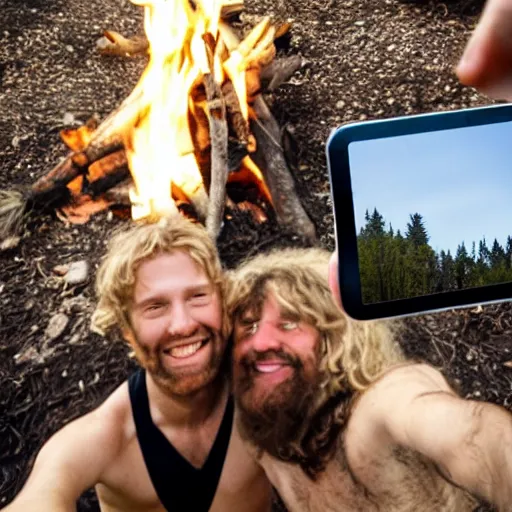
68 118
78 273
60 270
75 339
31 354
56 326
9 243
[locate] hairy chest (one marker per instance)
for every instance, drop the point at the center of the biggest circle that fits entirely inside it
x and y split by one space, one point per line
399 482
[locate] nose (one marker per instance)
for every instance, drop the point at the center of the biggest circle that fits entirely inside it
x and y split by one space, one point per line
266 337
181 322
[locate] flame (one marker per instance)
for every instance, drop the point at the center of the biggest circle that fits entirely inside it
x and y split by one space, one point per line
159 147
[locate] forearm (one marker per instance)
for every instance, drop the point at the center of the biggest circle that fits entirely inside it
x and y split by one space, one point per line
484 464
47 501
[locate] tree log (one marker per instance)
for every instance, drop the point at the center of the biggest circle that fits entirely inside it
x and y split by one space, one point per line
279 71
270 159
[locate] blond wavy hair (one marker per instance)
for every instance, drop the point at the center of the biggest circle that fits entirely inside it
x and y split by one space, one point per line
352 352
115 280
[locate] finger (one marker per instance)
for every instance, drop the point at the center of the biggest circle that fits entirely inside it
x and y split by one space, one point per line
487 59
334 283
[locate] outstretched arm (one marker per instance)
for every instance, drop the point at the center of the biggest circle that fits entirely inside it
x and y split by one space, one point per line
470 442
68 464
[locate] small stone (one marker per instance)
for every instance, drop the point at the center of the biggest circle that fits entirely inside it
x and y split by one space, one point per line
9 243
60 270
78 272
56 326
359 23
81 385
64 373
75 339
68 118
340 104
391 47
31 354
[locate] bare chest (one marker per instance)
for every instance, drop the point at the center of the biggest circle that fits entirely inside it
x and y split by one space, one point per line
401 482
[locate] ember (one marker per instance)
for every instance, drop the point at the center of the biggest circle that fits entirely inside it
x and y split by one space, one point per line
195 124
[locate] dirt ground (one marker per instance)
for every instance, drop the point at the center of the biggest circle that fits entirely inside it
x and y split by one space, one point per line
365 59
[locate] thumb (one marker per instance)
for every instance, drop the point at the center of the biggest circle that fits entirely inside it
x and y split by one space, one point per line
334 283
487 59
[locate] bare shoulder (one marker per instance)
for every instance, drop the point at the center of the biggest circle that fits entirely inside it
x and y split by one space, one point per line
95 436
390 399
76 456
407 381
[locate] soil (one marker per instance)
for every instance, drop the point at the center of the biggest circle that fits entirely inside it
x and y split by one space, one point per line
365 59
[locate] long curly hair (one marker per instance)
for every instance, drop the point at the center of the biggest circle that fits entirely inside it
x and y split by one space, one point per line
353 354
115 279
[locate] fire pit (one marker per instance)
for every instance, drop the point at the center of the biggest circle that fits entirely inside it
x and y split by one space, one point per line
194 133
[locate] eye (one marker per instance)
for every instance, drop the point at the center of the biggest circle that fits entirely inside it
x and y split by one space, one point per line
153 308
251 329
289 326
247 327
200 297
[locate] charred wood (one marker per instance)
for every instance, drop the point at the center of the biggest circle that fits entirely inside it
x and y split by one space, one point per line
219 146
270 159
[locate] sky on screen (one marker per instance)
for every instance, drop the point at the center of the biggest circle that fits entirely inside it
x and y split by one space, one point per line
459 180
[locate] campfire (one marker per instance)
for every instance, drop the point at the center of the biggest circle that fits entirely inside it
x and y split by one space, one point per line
194 128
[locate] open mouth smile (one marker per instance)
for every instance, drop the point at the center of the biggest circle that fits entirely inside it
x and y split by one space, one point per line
269 367
185 351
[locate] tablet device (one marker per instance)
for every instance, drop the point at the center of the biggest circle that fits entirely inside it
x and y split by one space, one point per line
423 211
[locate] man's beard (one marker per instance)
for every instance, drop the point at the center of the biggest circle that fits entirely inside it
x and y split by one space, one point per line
276 421
181 382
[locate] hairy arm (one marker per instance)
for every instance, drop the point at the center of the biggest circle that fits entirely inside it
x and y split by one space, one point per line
69 463
470 442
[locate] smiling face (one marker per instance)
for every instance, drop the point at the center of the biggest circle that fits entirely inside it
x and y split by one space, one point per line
176 320
274 357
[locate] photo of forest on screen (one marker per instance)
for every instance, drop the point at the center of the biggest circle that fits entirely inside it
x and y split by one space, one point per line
395 265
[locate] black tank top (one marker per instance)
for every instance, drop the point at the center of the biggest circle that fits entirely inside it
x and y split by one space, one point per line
179 485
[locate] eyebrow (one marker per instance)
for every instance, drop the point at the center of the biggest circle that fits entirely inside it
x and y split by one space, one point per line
206 286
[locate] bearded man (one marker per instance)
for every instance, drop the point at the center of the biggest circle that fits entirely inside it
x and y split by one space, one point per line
165 439
336 416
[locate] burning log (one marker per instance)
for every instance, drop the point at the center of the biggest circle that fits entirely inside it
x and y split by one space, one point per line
113 43
91 144
180 149
271 159
270 156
